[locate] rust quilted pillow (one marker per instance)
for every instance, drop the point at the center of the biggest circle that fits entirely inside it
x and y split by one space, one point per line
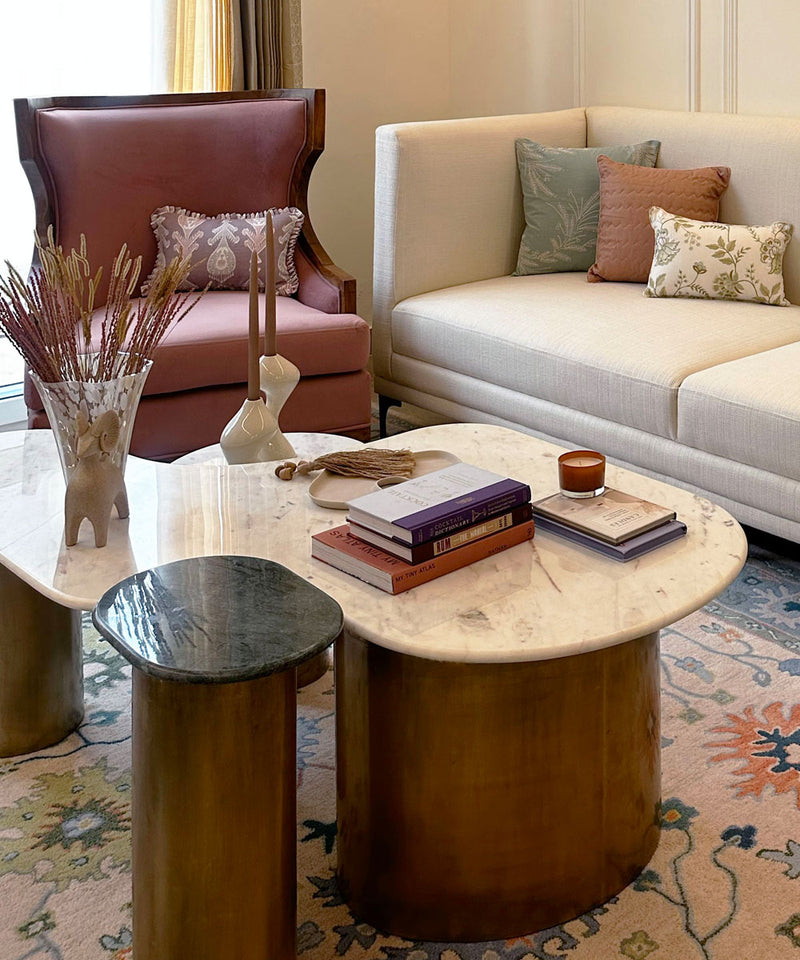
624 235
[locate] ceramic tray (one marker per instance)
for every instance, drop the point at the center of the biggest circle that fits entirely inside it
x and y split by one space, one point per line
333 491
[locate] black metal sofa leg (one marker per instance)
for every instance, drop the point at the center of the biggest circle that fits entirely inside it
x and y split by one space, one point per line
383 408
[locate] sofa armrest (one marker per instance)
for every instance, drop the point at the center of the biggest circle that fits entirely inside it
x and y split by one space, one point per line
448 205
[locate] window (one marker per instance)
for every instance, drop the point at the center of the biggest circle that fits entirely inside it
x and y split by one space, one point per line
54 48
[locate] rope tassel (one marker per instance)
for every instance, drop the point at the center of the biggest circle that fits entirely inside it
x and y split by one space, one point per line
373 464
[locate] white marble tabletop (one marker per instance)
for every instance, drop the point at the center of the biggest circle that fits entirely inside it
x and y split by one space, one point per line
542 599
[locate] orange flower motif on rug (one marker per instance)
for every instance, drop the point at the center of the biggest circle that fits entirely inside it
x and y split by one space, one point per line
770 747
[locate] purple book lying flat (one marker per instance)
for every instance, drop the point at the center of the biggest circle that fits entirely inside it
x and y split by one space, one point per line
629 550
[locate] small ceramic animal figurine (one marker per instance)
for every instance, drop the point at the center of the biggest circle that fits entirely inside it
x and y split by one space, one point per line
96 482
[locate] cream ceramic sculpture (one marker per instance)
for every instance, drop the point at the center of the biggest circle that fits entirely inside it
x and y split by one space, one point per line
96 483
253 434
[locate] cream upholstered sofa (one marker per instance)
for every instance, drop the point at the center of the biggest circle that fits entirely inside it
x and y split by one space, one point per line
704 393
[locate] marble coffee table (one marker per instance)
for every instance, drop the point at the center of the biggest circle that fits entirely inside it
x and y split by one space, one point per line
497 729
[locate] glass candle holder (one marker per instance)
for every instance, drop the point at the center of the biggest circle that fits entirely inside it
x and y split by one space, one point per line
581 474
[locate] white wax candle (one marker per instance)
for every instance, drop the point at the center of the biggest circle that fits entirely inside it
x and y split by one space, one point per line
582 461
271 337
252 333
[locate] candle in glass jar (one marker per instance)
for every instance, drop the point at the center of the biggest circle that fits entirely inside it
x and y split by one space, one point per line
581 473
271 337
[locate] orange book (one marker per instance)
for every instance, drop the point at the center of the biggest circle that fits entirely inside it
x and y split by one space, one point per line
342 550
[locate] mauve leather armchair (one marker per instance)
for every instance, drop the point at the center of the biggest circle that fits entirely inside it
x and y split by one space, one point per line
101 165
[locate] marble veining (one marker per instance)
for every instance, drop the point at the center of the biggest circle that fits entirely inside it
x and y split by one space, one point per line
217 619
545 598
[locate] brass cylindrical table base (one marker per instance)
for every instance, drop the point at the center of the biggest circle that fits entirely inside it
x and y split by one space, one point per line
214 819
485 801
41 668
311 670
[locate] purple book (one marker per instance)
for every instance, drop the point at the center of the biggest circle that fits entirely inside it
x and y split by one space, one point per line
437 503
629 550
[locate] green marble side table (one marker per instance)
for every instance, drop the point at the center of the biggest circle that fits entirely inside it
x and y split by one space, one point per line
214 643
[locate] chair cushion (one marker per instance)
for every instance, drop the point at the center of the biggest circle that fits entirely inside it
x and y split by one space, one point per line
747 410
209 346
603 349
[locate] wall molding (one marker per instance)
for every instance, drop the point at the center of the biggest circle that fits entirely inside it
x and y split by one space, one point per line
579 53
693 55
730 57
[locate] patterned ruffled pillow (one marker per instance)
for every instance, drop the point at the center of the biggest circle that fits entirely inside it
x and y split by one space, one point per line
220 247
717 261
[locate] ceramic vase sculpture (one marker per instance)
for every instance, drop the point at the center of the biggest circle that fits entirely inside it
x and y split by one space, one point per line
247 438
253 434
81 414
278 377
97 483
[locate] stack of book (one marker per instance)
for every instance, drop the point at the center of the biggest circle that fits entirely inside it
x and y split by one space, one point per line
616 524
406 534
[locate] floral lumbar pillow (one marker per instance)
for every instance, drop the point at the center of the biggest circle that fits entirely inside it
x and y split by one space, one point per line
220 246
717 261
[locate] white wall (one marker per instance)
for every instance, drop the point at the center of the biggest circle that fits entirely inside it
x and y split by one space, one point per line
736 56
386 62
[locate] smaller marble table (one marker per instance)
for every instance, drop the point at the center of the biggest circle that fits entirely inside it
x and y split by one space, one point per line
44 584
307 446
214 642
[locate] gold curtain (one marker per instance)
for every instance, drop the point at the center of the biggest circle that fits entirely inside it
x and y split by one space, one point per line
197 44
230 44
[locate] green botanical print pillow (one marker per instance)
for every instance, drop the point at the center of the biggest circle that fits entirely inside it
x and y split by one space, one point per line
561 200
717 261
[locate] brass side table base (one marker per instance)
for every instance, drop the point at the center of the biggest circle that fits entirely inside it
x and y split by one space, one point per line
41 668
485 801
214 819
216 644
313 669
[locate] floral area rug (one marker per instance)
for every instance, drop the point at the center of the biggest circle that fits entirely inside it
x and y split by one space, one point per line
724 883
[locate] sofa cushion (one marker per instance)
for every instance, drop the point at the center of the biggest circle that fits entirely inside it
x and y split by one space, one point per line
561 200
717 261
747 410
624 235
599 348
209 346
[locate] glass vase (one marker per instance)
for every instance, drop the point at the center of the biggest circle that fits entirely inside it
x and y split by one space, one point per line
64 399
